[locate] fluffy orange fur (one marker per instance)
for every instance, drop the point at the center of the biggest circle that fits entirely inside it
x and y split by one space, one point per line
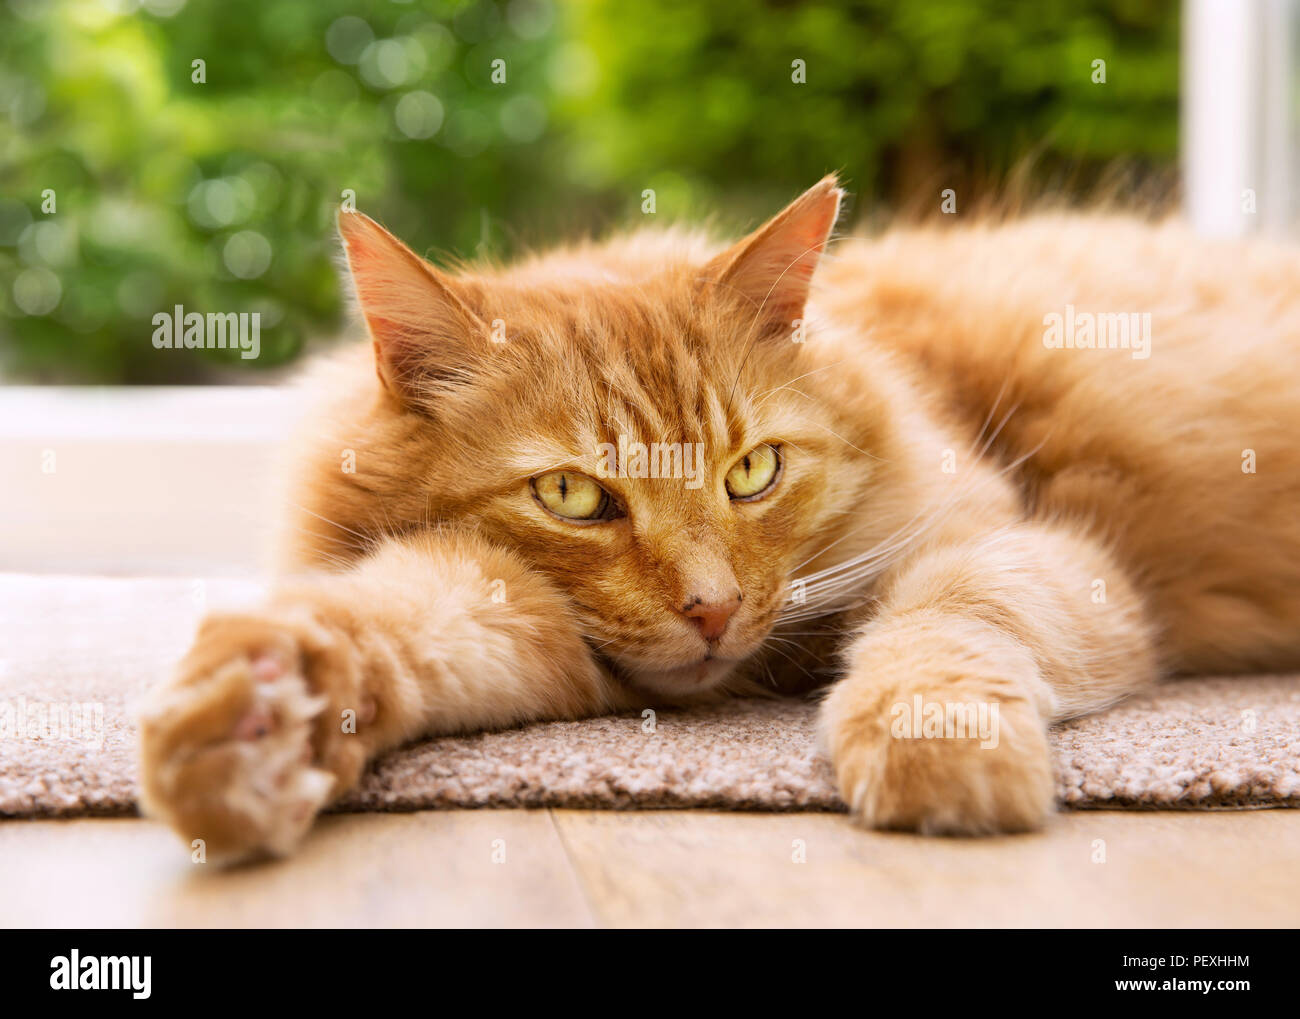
962 512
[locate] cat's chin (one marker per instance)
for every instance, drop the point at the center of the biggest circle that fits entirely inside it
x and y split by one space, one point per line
682 681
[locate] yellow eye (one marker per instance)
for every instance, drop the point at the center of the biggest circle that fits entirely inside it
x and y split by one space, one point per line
573 496
754 473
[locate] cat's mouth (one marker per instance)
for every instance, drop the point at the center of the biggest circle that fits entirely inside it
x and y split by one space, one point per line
693 677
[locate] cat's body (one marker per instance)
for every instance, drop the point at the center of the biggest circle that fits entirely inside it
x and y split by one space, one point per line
950 507
1153 455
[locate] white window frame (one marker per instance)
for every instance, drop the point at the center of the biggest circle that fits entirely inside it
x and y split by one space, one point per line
1239 115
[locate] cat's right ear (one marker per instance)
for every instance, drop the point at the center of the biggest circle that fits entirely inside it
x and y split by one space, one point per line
421 322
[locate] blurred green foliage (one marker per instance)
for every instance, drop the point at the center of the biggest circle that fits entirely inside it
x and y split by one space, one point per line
220 195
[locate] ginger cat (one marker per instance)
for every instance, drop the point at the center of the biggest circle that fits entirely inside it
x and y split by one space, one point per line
650 471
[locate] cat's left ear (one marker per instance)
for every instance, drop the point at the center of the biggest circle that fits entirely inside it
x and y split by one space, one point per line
772 268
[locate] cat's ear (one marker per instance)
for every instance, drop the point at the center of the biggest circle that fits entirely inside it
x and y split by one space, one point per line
419 318
772 268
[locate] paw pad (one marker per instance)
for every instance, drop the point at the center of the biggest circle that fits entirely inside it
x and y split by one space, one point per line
254 725
268 667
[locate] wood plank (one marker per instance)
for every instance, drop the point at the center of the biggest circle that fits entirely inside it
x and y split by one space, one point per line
383 870
697 869
669 868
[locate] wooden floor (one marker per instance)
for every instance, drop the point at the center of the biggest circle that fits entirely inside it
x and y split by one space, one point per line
578 868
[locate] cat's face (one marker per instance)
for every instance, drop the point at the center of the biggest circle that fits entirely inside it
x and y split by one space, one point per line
647 433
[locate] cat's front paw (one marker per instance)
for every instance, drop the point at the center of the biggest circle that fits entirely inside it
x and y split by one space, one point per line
958 754
227 749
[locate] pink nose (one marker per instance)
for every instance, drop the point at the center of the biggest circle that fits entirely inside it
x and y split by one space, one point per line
712 616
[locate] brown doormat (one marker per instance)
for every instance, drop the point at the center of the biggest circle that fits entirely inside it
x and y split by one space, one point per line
70 642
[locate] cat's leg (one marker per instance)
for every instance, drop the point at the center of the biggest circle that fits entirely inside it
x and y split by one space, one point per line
272 715
990 639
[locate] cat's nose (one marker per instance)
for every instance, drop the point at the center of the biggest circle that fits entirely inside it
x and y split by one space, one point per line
712 616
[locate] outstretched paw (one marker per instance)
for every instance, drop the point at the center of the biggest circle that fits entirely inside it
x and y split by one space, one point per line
227 749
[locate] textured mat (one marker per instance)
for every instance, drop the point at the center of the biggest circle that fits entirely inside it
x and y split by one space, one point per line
79 652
